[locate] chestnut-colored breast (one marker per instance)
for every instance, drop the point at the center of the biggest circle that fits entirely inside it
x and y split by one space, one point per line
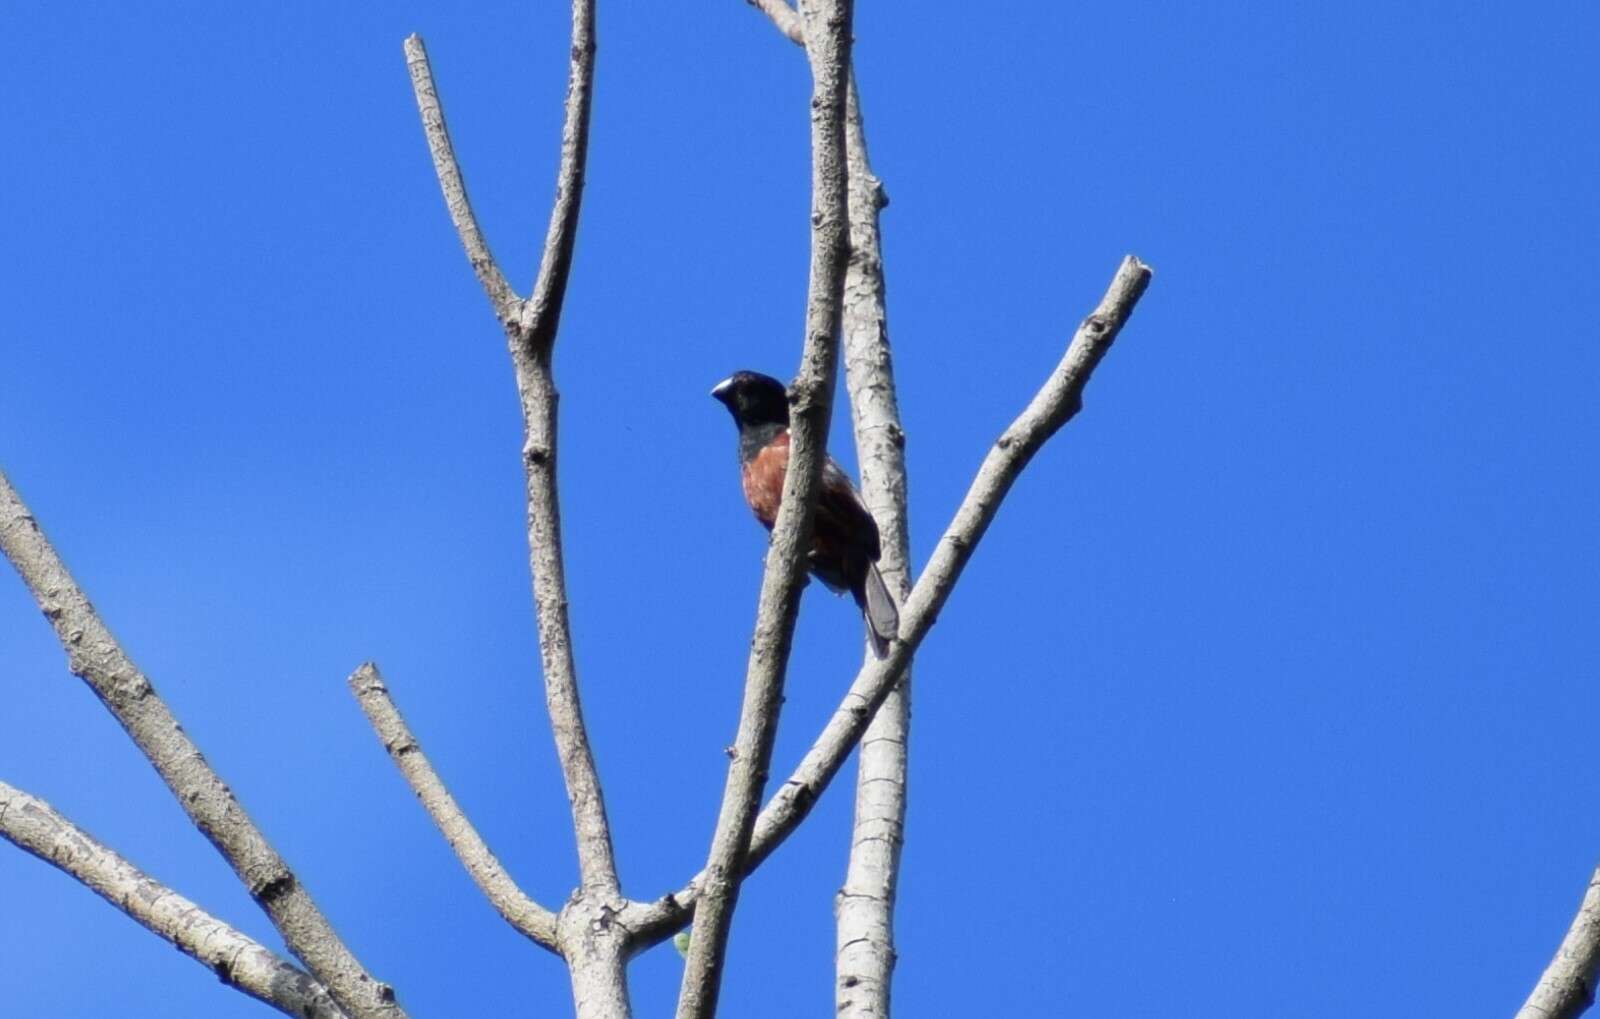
763 478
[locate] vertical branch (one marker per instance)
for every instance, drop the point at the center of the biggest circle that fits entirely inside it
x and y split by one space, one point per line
531 327
828 35
531 348
864 952
596 863
864 945
94 655
1566 989
587 931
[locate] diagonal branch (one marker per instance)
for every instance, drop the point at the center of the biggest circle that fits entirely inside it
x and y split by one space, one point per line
530 331
236 959
507 305
784 18
1566 989
1056 403
520 911
828 24
94 655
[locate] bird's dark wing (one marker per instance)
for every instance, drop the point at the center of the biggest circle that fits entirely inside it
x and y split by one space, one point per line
843 517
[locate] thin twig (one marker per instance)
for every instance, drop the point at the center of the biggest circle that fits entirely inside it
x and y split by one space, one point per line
864 954
828 29
520 911
1054 405
1566 990
233 956
507 306
95 656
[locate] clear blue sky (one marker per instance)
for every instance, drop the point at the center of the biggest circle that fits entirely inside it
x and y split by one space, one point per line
1271 692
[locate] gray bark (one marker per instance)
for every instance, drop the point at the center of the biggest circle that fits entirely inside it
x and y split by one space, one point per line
1566 989
235 958
520 911
811 399
598 930
531 328
589 931
94 655
864 953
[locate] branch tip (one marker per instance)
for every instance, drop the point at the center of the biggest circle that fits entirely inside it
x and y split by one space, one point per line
521 912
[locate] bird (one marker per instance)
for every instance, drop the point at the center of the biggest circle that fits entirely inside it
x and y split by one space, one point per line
844 541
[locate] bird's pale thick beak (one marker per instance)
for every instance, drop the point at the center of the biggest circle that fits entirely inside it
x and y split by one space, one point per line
721 390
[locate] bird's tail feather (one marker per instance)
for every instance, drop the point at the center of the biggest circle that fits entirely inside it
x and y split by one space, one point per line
877 605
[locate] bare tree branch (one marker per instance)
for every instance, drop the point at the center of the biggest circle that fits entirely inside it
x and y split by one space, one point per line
588 931
1566 990
596 862
811 397
864 952
541 315
784 18
520 911
94 655
507 306
531 330
1054 405
530 355
864 946
233 956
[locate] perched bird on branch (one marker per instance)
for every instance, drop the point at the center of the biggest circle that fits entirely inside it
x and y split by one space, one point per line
844 540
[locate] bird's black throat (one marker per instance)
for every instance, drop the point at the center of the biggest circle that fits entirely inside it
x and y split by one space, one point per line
753 438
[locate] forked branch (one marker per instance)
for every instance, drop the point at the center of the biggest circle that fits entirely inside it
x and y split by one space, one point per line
530 327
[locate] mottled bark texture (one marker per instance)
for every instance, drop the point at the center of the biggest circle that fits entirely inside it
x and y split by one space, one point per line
1566 989
588 932
811 401
530 327
864 953
236 959
94 655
